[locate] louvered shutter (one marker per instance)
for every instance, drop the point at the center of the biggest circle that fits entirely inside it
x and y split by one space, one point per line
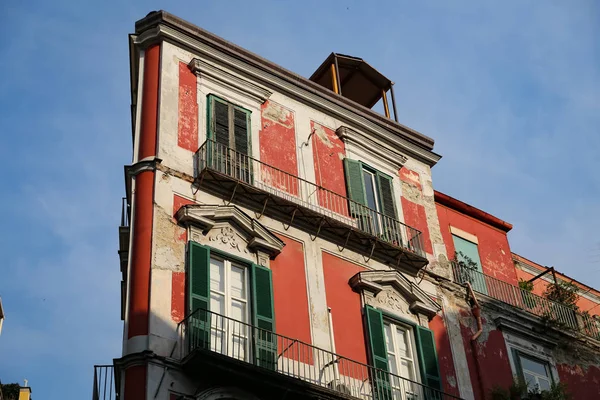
355 186
378 351
265 343
391 228
199 294
240 131
428 361
220 122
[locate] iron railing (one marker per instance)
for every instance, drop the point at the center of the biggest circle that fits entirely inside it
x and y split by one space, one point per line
125 211
247 170
207 331
552 312
104 383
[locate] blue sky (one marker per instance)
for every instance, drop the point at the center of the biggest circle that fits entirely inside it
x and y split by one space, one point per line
509 90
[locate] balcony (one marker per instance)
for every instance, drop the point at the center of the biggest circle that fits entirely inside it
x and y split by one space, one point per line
223 348
551 312
124 233
104 383
295 201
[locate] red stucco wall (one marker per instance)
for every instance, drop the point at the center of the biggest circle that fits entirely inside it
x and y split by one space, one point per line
291 298
345 307
444 352
581 383
414 213
328 154
488 362
494 250
278 147
187 126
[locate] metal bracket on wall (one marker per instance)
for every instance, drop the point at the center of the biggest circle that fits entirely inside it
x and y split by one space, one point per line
233 194
264 208
346 242
291 220
372 250
318 230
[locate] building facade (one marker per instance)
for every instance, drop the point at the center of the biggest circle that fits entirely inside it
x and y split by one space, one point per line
280 239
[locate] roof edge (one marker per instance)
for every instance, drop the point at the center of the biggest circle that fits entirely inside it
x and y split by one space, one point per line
471 211
163 17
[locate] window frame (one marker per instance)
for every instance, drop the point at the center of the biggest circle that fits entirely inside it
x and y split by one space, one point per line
517 354
231 107
409 330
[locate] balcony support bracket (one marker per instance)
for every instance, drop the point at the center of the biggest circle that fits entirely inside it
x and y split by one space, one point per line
233 194
346 242
318 230
263 209
291 220
372 250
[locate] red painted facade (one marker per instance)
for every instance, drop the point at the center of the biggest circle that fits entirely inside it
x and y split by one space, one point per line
444 353
290 296
278 147
346 309
582 382
187 127
178 296
414 213
494 250
487 358
328 155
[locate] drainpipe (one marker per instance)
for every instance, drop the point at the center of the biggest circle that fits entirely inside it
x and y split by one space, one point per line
476 311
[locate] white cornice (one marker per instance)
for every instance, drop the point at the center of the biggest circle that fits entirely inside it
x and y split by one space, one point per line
204 69
387 153
290 89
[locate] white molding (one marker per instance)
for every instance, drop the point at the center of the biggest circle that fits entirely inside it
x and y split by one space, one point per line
207 71
375 131
365 143
464 235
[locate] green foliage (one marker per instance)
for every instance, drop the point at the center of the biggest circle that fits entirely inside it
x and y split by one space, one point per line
563 292
10 391
526 285
518 391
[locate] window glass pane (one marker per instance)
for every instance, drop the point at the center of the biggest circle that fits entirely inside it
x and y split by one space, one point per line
544 384
392 364
388 337
530 380
238 310
216 340
533 366
217 276
468 249
217 304
369 190
406 369
239 347
403 345
238 282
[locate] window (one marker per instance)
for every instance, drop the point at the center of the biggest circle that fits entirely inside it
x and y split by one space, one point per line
229 298
372 203
533 371
467 254
229 125
403 353
401 356
230 306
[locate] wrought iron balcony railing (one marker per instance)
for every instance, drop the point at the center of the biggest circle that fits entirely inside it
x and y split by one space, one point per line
552 312
104 383
205 331
248 171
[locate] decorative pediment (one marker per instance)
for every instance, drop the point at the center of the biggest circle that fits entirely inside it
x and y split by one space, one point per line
394 291
230 227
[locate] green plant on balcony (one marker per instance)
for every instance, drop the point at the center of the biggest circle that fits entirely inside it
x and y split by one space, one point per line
519 391
563 307
529 299
467 267
564 293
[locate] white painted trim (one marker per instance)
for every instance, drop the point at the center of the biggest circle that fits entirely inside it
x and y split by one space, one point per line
138 109
528 347
464 235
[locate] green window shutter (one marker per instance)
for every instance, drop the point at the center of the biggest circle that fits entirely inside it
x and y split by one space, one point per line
218 121
378 352
199 294
241 131
386 194
354 181
265 342
428 361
